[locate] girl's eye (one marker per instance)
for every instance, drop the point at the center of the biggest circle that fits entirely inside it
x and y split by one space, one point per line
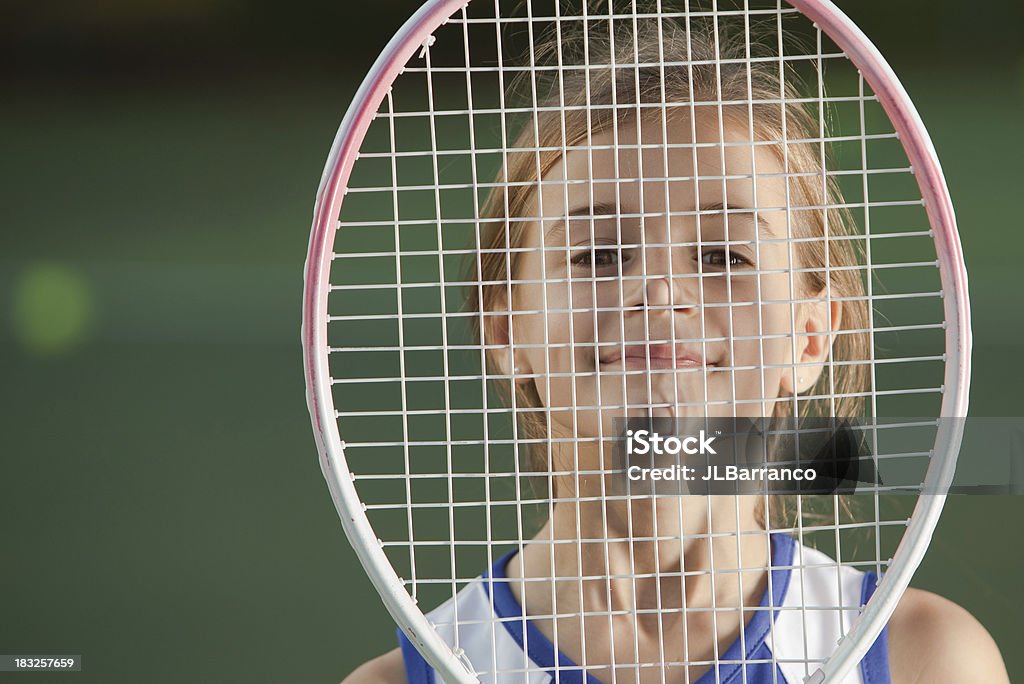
718 258
596 258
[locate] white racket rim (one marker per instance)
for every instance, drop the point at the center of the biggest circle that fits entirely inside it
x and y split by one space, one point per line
417 33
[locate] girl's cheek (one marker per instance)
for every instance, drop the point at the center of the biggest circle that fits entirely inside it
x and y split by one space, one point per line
583 296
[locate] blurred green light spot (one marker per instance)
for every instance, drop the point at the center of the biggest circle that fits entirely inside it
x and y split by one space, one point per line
54 307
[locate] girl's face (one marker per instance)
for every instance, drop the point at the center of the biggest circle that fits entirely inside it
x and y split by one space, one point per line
643 309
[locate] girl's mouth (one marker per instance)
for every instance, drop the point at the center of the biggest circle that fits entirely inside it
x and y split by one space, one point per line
641 356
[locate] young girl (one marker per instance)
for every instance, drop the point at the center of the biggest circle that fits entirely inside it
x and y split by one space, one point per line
668 248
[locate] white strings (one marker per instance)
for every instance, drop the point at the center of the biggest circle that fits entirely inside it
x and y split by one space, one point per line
441 447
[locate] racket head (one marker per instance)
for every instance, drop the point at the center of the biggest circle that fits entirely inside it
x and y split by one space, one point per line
408 45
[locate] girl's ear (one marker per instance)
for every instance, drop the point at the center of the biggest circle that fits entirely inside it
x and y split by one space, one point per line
817 323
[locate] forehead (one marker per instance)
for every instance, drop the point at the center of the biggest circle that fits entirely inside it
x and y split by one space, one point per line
675 164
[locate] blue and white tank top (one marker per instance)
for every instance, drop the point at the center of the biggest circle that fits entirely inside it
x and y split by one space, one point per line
782 646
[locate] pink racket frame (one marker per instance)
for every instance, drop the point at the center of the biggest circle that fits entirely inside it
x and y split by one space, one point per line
921 154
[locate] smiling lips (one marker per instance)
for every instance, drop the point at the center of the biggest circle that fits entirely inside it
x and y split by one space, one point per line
635 356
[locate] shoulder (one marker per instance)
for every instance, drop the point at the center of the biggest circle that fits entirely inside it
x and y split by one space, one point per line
932 639
386 669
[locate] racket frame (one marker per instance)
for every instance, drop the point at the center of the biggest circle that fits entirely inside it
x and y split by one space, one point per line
417 34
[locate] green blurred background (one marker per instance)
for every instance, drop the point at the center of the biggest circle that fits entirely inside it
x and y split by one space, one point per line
162 511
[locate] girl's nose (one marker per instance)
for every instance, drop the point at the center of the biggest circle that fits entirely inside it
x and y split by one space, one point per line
665 293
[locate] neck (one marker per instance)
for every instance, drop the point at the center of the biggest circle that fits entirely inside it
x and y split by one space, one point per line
665 580
663 555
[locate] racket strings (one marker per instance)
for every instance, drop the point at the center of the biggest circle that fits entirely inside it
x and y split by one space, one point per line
411 359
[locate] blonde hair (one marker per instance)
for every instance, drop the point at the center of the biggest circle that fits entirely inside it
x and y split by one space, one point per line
708 64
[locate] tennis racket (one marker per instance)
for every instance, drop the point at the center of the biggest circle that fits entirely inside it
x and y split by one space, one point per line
540 218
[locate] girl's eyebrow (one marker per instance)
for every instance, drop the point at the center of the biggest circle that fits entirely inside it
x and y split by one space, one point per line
600 210
732 211
597 210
